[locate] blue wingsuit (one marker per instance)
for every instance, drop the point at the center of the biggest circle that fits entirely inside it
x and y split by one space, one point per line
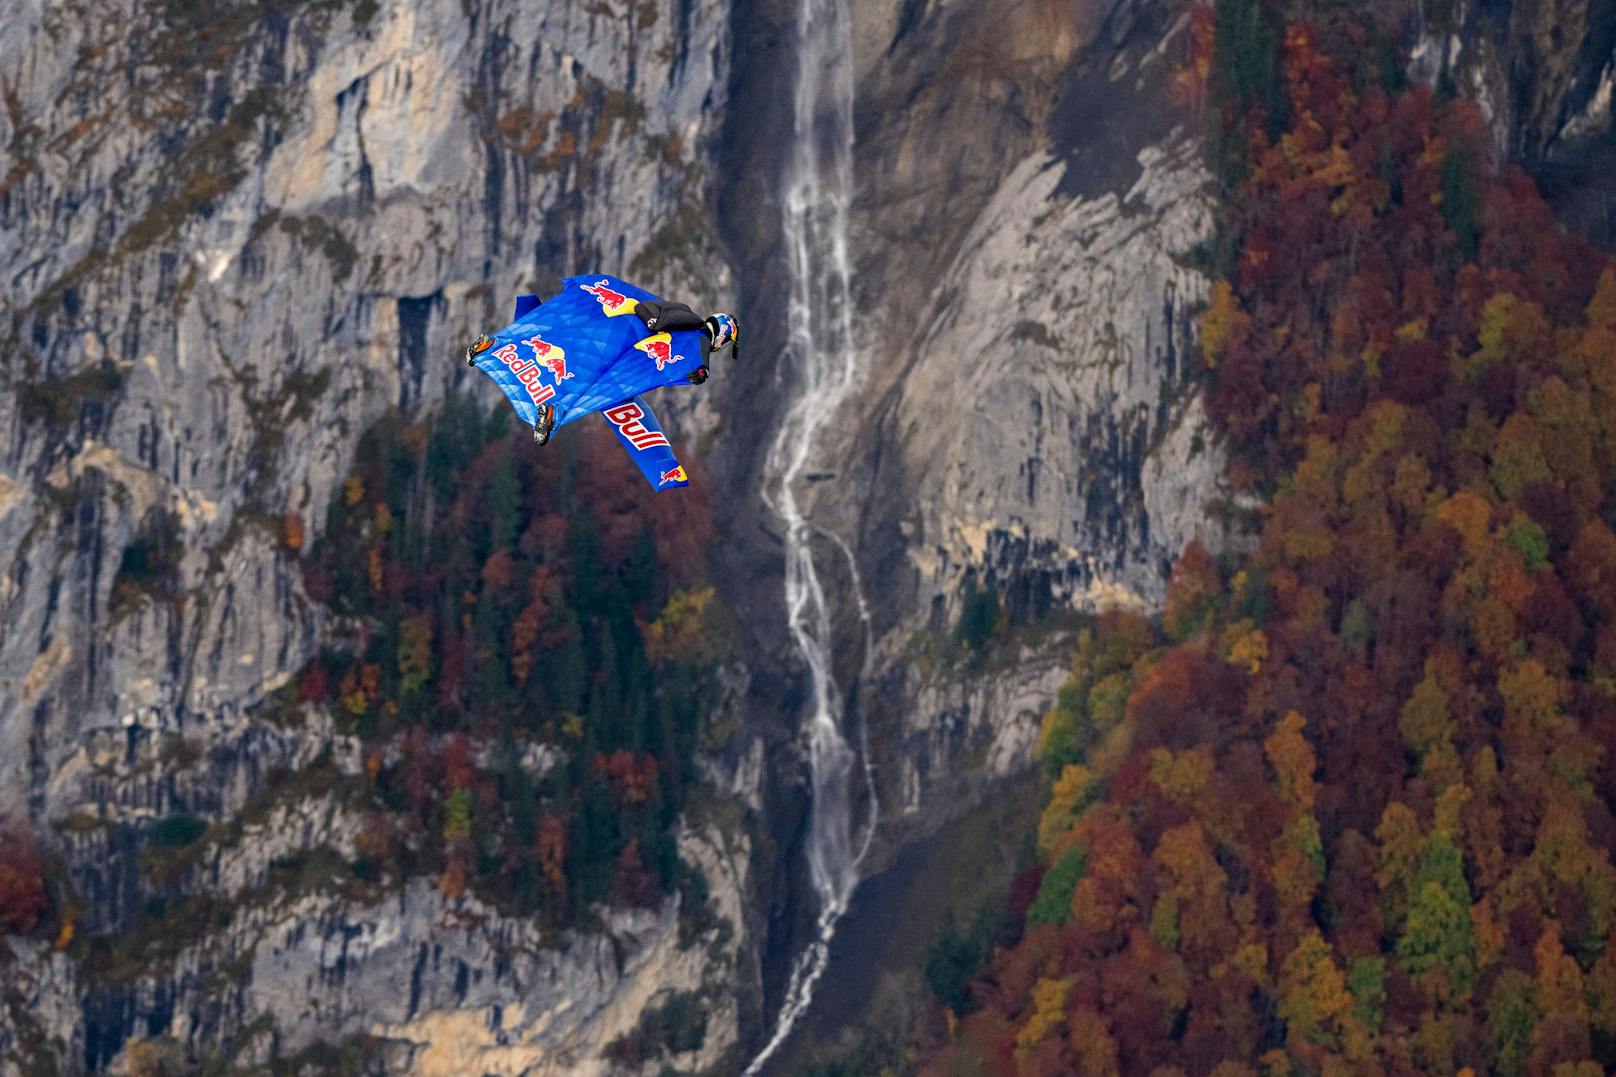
587 350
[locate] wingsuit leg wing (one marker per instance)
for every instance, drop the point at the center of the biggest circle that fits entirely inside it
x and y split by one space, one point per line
642 437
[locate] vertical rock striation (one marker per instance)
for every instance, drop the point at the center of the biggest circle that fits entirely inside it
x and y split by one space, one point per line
1031 204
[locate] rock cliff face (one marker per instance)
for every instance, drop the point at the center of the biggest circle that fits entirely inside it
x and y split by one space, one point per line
233 236
233 240
1543 74
1029 212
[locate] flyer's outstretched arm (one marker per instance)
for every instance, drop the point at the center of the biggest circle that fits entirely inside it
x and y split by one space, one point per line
642 437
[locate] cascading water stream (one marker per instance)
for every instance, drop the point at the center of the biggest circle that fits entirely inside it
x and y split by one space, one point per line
821 361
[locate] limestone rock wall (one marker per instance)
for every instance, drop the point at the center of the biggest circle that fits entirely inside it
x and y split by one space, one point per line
234 235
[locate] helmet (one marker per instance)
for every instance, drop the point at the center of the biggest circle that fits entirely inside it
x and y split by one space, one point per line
725 330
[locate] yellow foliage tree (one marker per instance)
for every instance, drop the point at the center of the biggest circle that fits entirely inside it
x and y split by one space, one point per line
1298 863
1072 792
1400 841
682 630
1449 814
291 530
1192 871
1249 647
1048 1014
415 653
1428 729
1314 1000
1469 515
1293 761
1181 775
1221 323
1093 1044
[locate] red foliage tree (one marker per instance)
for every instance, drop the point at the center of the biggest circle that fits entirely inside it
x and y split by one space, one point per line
24 901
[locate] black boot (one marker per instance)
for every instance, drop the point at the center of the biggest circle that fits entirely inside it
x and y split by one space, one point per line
697 376
478 346
546 424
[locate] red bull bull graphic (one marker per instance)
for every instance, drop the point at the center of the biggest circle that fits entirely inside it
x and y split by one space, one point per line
612 302
660 348
530 371
550 356
676 475
628 420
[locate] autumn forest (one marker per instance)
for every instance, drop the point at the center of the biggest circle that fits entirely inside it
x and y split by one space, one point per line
1346 806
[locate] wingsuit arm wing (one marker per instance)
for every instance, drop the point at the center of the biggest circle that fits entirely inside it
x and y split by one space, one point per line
524 304
642 437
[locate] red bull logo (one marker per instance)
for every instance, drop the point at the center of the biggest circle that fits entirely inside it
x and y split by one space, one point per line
550 356
612 302
660 348
676 475
629 420
529 371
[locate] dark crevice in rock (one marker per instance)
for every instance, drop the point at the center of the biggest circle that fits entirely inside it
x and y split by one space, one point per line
415 316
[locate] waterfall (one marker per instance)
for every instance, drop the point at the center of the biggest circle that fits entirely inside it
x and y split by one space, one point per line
821 365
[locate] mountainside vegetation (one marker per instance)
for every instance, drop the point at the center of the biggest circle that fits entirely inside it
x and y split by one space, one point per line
523 644
530 646
1345 806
